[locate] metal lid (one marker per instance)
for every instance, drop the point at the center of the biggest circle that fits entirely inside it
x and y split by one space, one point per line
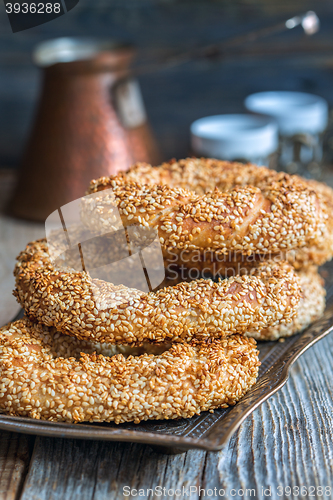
231 137
295 112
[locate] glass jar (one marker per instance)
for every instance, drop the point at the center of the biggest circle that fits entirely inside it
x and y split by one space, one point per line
302 119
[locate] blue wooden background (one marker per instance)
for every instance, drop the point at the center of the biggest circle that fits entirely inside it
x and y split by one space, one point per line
174 98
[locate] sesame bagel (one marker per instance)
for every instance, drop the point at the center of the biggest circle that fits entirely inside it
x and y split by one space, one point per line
309 309
43 376
203 175
277 215
78 305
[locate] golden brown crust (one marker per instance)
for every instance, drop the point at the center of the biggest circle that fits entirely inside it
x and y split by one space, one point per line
310 308
40 379
197 174
87 308
253 211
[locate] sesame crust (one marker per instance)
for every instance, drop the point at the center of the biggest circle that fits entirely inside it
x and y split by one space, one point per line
310 308
44 377
93 309
245 209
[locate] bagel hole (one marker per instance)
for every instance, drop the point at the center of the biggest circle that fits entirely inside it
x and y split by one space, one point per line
67 347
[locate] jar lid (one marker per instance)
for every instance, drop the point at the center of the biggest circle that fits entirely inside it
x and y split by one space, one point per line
295 112
231 137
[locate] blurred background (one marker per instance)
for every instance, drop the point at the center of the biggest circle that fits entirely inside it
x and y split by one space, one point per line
175 97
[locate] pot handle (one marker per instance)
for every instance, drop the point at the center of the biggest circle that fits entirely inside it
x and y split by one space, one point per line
128 103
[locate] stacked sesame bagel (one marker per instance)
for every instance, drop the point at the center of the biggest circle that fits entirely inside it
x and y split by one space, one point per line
241 214
187 357
96 350
58 378
239 210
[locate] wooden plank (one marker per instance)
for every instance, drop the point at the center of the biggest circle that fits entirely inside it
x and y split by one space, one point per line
84 470
15 451
15 234
288 441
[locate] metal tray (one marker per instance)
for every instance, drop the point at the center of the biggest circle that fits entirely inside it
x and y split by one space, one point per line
208 431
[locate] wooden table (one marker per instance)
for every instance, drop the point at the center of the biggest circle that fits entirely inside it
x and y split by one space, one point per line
288 441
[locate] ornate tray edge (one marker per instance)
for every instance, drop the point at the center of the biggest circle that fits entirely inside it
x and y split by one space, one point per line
280 370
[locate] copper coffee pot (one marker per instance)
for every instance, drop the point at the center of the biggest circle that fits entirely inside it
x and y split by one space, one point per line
90 122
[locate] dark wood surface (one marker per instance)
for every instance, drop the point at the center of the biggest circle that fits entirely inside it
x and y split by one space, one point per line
288 441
